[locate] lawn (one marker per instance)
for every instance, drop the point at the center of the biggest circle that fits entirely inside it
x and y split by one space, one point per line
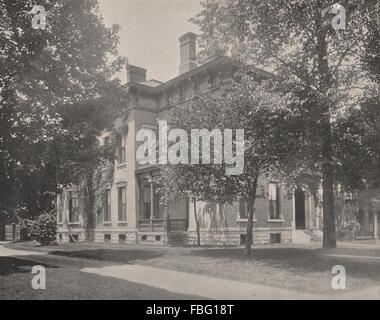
68 282
295 268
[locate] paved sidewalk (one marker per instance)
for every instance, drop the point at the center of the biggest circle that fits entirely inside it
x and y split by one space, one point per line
216 288
366 244
6 252
193 284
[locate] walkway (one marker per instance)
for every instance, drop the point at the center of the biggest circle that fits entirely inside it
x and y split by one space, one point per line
193 284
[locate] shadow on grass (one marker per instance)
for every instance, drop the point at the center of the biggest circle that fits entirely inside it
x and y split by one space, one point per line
9 265
111 255
302 261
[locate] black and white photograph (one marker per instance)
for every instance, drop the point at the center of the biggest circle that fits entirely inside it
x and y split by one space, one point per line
189 153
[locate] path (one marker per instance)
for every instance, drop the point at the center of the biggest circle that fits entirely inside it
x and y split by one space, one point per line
193 284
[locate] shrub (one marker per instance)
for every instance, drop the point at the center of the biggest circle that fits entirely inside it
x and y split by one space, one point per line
42 229
26 229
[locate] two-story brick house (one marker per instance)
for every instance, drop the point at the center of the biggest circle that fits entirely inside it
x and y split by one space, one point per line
130 211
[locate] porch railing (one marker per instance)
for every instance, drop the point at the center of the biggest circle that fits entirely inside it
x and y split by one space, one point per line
177 225
162 224
152 224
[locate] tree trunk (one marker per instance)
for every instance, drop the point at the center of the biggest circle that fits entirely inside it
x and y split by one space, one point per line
329 232
251 212
197 223
89 206
329 235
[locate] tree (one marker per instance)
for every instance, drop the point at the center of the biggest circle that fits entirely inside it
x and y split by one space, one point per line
359 133
57 93
248 102
182 182
302 43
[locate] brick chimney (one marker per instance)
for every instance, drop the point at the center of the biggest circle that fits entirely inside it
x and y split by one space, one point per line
187 45
135 74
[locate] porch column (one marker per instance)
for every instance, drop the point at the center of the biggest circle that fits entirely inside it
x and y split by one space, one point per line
166 214
310 212
294 211
151 204
375 232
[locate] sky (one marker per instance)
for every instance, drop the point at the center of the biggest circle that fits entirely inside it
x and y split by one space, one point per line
149 32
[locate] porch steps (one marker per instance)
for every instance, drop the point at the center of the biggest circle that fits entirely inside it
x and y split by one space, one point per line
300 237
177 238
306 236
315 235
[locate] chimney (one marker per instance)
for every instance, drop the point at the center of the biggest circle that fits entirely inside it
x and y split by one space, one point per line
187 45
135 74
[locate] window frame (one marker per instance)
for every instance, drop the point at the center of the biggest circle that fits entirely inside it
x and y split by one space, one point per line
73 214
107 213
122 206
144 188
275 213
121 149
59 208
244 203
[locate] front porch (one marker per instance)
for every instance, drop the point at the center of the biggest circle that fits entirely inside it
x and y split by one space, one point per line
158 222
162 231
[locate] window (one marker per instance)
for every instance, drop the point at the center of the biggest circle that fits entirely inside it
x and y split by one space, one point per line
107 238
150 204
274 201
147 202
74 238
107 205
243 238
243 209
59 207
73 207
152 130
122 238
122 205
121 149
158 238
275 238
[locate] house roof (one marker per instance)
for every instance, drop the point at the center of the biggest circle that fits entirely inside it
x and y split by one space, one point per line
151 83
155 86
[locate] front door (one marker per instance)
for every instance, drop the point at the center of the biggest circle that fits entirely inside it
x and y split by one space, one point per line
299 196
2 231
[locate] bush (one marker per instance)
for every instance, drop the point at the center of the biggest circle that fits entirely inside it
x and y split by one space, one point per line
42 229
26 229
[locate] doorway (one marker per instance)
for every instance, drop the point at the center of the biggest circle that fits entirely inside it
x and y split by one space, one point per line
299 196
2 229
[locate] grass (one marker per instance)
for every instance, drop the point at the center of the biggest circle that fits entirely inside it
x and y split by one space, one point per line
295 268
64 283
